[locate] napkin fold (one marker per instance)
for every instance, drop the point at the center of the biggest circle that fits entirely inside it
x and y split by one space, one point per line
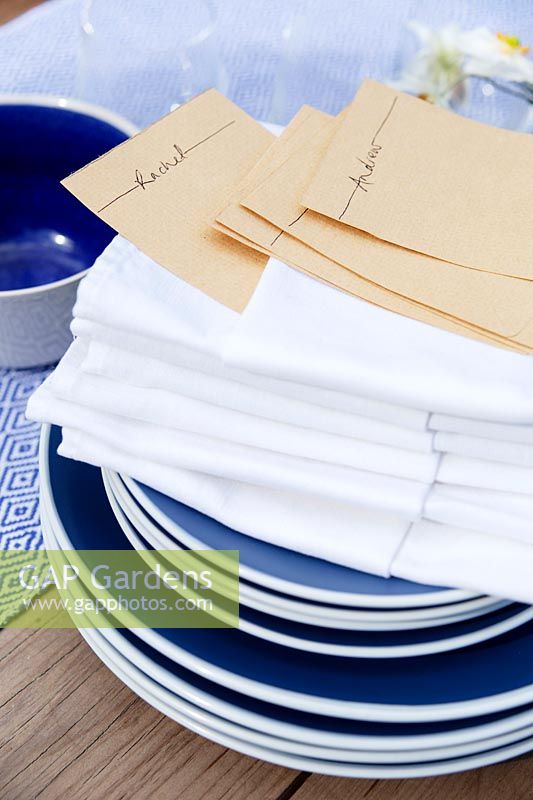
520 434
449 556
482 510
515 453
482 474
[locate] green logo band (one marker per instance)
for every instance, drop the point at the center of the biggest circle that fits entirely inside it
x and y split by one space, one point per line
119 588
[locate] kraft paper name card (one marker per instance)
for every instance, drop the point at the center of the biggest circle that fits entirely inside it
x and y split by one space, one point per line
497 307
249 228
430 180
162 190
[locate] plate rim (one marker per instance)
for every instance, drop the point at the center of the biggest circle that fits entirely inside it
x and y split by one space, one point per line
328 753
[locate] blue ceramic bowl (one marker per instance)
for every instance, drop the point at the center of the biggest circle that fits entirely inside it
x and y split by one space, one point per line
48 239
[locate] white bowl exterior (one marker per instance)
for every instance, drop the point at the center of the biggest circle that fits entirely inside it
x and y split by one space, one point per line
35 327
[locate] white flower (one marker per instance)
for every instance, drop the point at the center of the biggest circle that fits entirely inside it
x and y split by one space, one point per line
437 69
496 56
447 57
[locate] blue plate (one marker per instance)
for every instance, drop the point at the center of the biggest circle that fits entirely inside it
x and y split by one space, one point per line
483 679
287 571
47 235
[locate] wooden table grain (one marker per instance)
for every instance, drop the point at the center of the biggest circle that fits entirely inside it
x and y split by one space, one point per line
70 729
9 9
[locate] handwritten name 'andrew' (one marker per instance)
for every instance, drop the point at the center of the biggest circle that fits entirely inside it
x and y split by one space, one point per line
362 180
169 164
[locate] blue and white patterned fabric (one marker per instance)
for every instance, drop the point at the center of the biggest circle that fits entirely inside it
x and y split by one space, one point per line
19 476
333 45
19 473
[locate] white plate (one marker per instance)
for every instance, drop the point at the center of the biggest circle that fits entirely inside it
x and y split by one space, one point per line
171 705
296 610
288 731
154 684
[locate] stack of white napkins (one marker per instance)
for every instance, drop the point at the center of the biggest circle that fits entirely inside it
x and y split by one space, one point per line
313 420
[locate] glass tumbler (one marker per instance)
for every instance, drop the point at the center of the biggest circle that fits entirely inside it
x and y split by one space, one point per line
140 58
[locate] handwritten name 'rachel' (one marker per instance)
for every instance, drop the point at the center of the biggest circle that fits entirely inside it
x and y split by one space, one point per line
164 167
177 158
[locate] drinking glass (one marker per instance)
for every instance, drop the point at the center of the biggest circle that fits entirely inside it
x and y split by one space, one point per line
142 57
326 49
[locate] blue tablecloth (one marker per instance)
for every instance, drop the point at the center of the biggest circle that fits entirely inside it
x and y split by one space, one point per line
338 42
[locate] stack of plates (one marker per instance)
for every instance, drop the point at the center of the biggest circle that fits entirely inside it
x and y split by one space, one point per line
332 670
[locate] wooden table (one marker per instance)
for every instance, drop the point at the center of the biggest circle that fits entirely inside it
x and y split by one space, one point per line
9 9
70 729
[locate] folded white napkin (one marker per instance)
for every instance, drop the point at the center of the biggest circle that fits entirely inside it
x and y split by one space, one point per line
449 556
481 510
518 454
513 504
130 367
296 328
171 409
483 474
383 544
142 361
198 414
